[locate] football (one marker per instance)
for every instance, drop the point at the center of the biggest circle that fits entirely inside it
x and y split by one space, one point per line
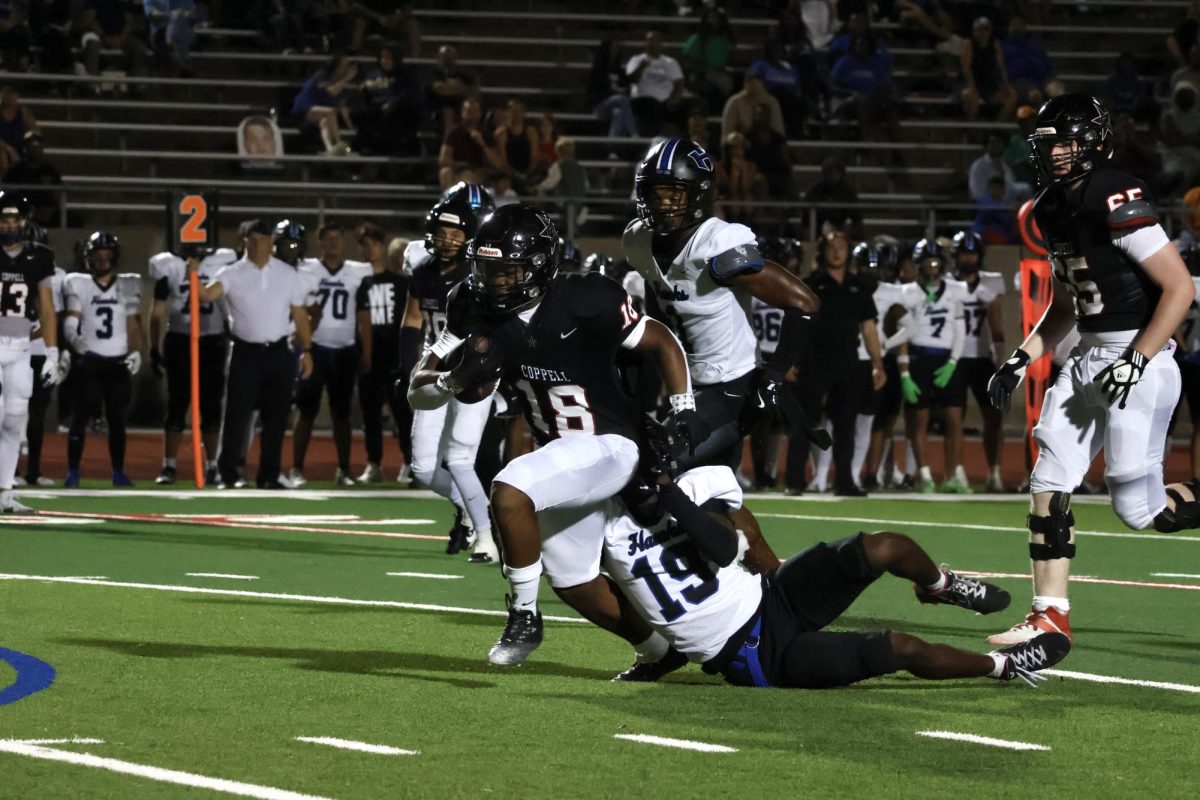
471 394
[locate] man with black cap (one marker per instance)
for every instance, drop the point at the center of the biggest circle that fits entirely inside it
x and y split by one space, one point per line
264 295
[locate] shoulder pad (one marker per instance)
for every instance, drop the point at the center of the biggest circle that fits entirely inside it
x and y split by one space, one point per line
160 264
220 257
739 260
131 283
993 281
1131 215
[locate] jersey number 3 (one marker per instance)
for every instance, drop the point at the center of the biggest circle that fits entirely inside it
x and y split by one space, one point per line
13 300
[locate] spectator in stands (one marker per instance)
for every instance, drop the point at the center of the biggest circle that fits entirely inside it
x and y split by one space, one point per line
984 74
548 136
863 90
832 188
783 81
1134 152
995 220
1125 91
705 56
16 120
1189 220
1179 132
50 25
656 82
738 181
1017 151
323 101
394 20
1181 41
856 25
465 147
741 109
1190 72
172 27
566 177
820 19
393 107
608 91
769 151
518 144
15 36
931 20
697 131
450 86
113 25
1029 68
34 170
990 164
500 185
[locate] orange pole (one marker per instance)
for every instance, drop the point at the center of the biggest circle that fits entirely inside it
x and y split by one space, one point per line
194 342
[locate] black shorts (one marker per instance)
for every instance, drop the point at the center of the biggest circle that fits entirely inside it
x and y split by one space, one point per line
1189 373
808 592
178 359
976 372
925 360
720 406
868 398
335 368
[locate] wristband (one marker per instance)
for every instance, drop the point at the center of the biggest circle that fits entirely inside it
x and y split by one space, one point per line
682 402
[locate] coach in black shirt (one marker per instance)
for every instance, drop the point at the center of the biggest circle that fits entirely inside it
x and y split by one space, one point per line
829 380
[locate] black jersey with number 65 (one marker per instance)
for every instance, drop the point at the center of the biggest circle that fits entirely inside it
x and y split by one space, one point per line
563 356
20 277
1111 290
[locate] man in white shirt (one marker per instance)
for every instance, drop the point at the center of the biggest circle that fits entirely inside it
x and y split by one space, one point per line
656 85
265 295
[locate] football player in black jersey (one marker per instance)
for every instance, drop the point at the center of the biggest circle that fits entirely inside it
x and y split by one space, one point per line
556 339
26 297
1121 282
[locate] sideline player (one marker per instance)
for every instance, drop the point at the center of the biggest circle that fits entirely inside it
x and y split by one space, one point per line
174 357
39 401
332 282
104 326
557 339
1118 279
983 341
26 297
379 307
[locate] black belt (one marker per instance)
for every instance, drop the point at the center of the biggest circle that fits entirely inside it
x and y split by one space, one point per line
282 342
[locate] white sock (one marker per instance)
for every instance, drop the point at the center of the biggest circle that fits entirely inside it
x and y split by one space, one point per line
862 441
1043 602
651 650
910 460
995 474
524 583
999 662
960 474
941 583
168 462
926 475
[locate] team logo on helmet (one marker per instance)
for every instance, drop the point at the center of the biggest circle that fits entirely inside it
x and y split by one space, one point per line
701 159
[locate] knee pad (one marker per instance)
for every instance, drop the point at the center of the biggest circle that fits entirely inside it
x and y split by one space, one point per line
1184 516
1056 528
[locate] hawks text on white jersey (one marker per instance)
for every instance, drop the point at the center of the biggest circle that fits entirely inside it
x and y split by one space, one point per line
104 310
174 269
939 309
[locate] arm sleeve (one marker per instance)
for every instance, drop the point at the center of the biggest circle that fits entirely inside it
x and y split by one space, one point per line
1141 243
71 297
714 541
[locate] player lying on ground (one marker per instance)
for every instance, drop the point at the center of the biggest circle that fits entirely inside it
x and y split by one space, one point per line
671 550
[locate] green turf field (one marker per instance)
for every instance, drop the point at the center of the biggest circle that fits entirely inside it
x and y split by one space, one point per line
196 687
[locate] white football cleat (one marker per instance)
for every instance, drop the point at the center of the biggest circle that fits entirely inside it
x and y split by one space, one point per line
405 475
372 474
11 505
341 479
296 478
1035 623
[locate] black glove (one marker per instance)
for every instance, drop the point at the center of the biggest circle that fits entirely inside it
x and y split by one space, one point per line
481 363
1001 385
772 398
157 365
658 449
1118 378
690 429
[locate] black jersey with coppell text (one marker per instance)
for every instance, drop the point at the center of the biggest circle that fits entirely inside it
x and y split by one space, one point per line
20 278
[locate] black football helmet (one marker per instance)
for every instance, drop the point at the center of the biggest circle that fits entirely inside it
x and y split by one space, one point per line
889 260
514 258
457 214
967 243
1077 120
675 164
15 212
929 259
291 241
598 262
476 196
102 240
864 260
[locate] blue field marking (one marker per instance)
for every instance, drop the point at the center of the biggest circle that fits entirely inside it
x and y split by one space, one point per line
33 675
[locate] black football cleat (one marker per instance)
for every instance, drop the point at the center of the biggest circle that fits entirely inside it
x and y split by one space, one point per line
651 671
166 477
1025 660
460 535
522 635
984 598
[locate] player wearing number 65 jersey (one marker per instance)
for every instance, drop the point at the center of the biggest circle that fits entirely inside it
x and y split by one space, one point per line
557 340
1119 280
26 296
332 283
171 302
104 327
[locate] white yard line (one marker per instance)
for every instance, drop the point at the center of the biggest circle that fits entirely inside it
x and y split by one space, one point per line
893 524
73 740
154 773
988 740
25 519
221 575
1175 575
1088 676
362 747
682 744
431 575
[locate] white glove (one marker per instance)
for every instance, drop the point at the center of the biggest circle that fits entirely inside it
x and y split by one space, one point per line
51 374
133 362
64 363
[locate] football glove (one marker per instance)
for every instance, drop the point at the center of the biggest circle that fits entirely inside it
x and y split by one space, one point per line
689 425
50 373
1006 380
64 362
1118 378
909 388
156 362
943 374
658 450
133 362
481 363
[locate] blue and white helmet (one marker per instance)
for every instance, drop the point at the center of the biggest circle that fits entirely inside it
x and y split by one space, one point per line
677 164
